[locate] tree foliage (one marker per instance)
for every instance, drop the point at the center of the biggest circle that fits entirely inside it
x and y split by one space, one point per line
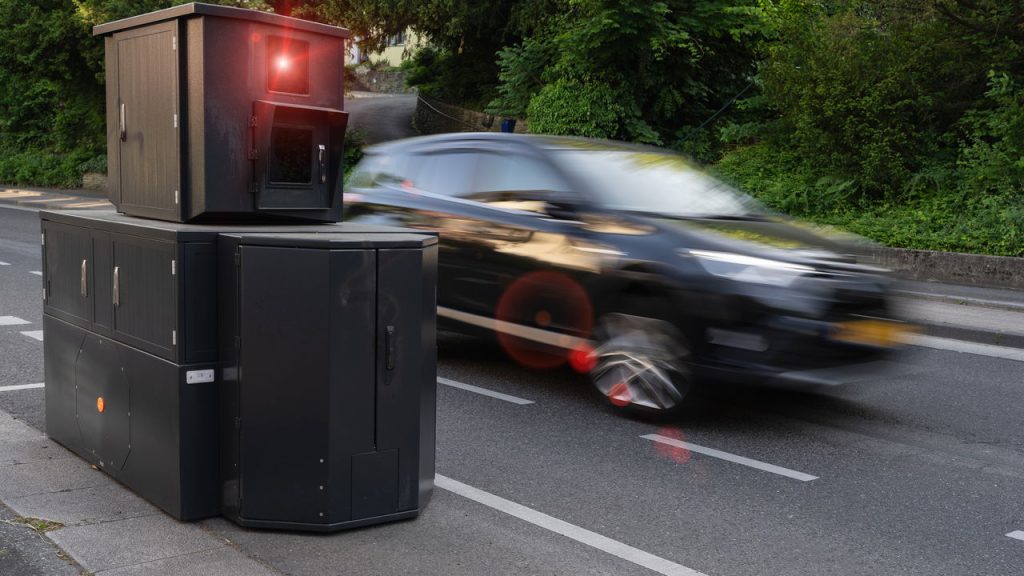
659 68
900 118
903 119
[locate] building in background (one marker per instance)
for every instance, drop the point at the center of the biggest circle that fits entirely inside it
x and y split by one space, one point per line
401 47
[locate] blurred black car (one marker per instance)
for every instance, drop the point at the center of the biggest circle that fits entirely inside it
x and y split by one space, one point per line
628 262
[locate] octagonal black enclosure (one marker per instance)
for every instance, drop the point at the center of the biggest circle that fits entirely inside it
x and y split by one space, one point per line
224 114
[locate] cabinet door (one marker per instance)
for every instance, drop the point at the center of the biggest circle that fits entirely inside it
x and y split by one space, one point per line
67 254
406 365
284 361
144 295
147 121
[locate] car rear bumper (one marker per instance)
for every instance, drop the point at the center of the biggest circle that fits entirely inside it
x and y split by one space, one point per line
798 353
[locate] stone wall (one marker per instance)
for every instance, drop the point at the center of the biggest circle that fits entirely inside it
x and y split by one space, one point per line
385 80
435 117
952 267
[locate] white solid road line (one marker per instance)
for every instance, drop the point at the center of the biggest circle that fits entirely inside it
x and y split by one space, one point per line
484 391
582 535
36 334
731 457
4 264
12 321
990 350
22 387
36 272
1017 534
549 337
565 341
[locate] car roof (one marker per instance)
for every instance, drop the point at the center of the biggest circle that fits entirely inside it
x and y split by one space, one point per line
547 142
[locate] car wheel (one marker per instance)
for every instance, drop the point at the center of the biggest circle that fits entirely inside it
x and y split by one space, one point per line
640 364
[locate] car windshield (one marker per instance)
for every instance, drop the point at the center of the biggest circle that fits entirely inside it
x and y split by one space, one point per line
658 183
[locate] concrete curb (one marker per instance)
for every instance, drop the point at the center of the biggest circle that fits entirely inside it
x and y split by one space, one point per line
972 335
963 300
952 267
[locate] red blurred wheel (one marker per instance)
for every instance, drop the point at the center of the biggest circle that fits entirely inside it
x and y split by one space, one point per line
548 301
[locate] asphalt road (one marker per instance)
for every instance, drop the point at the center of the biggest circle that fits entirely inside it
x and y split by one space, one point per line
381 117
920 472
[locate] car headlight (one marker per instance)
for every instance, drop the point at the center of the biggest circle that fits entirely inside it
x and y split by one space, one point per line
749 268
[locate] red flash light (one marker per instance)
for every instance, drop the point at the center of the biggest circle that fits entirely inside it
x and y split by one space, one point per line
282 63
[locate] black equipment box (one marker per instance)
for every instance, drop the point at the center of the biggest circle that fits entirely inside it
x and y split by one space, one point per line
220 114
283 375
330 378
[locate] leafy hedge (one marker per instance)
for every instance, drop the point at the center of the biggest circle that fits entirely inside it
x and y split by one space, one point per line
924 218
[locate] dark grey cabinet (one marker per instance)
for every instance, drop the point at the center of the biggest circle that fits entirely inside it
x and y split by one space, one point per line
121 282
144 294
69 269
219 114
331 393
143 420
284 376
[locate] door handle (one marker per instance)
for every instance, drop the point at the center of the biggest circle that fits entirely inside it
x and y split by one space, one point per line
323 163
83 282
124 130
117 286
389 347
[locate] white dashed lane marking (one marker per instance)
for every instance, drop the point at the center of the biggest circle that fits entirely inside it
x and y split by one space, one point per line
22 387
4 264
12 321
36 272
1017 534
35 334
484 391
731 457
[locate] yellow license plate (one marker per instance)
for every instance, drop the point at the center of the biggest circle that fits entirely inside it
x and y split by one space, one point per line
872 332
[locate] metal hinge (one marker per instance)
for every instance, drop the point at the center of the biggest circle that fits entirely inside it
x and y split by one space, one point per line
44 295
254 188
174 42
252 121
174 337
238 259
43 241
175 120
174 267
175 196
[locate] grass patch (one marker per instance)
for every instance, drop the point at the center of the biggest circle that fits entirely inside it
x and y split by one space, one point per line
40 525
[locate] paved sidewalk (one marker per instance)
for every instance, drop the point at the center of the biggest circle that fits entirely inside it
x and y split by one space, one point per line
53 199
106 529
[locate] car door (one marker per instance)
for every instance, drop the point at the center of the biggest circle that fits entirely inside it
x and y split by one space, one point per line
422 190
505 216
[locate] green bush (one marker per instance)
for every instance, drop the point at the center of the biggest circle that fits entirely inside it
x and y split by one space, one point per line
932 218
355 140
570 108
42 167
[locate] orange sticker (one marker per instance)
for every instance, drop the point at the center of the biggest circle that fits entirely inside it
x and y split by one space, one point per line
100 404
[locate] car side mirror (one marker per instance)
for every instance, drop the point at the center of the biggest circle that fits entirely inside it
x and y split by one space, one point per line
560 209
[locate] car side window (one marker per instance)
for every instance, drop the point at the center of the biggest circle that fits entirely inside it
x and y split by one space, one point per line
517 182
445 173
516 173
